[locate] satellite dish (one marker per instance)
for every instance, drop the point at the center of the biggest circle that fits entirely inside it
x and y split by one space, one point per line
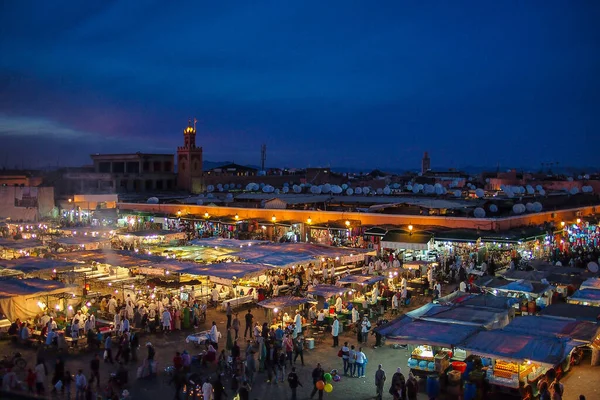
592 267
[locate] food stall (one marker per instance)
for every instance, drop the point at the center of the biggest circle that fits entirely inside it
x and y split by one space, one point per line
38 267
532 296
512 359
585 297
433 345
361 297
227 275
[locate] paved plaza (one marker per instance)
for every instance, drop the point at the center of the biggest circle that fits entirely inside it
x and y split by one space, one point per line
583 379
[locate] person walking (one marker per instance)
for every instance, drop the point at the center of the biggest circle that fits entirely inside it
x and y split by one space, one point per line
95 368
108 349
345 358
379 382
318 374
352 361
80 385
235 324
398 387
288 346
229 313
361 360
40 377
299 349
294 382
365 326
214 336
335 331
412 387
248 317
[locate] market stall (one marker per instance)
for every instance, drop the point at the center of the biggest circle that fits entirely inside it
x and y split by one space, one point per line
585 297
514 358
38 267
532 295
10 248
76 243
24 298
432 344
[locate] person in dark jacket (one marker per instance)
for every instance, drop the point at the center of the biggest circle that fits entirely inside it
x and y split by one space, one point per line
294 382
318 374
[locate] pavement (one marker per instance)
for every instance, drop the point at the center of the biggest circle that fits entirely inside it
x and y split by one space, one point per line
582 380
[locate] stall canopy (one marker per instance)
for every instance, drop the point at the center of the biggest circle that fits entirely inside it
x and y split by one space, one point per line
360 279
19 297
406 330
513 346
107 256
81 240
582 332
20 244
325 291
586 295
233 243
405 241
487 318
572 311
479 300
502 284
34 264
283 302
226 270
591 283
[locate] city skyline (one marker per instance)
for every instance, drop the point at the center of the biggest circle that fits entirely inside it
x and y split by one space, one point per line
476 84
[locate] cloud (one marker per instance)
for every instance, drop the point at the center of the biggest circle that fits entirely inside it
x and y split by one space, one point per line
32 127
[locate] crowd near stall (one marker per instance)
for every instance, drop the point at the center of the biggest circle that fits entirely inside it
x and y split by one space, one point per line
476 312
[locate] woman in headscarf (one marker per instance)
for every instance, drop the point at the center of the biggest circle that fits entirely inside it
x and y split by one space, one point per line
186 317
412 387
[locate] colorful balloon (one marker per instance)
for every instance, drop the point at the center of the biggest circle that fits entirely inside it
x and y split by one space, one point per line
327 377
320 385
328 388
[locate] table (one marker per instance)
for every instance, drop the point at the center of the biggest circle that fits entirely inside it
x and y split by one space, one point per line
198 338
237 301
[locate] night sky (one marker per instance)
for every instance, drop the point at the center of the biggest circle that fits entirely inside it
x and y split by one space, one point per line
351 83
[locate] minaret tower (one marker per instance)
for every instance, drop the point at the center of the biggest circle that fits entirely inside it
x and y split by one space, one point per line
189 161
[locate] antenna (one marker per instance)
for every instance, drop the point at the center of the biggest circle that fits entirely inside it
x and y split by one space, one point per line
263 156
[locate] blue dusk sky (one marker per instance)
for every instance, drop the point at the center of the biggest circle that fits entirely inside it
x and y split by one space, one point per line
358 84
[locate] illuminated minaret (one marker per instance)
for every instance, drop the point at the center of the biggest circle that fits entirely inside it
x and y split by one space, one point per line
189 159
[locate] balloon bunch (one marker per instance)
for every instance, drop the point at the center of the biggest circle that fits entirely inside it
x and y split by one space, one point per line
325 384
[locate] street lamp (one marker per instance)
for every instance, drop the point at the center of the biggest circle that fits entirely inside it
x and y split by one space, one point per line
410 229
309 221
273 218
347 223
70 200
562 223
206 215
237 217
578 221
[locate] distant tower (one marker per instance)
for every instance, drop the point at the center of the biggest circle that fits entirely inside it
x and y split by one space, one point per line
189 161
425 163
263 156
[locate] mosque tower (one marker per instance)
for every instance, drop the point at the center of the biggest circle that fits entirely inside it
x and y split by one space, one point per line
189 161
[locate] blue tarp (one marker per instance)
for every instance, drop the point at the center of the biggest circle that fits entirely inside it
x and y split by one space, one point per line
283 302
35 264
513 346
488 318
225 270
23 287
580 331
232 243
587 295
325 291
591 283
406 330
361 279
485 301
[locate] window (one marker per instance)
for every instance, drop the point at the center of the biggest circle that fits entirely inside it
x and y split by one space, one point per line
159 184
118 167
133 167
146 166
104 167
170 184
149 184
157 166
168 166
